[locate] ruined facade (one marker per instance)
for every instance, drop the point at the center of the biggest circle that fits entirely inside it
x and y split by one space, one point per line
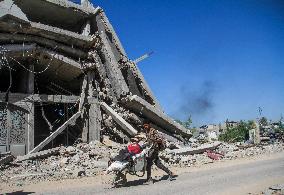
65 75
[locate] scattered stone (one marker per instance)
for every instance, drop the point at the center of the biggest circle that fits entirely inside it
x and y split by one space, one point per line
81 173
60 163
71 150
274 190
6 159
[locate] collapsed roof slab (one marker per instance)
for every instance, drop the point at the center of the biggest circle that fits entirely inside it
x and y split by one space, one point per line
56 4
21 97
142 107
12 24
32 49
7 38
52 66
60 13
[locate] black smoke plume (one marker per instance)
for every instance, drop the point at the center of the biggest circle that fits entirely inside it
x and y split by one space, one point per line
197 102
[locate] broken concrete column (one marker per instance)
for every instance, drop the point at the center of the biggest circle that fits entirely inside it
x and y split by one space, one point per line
95 116
30 108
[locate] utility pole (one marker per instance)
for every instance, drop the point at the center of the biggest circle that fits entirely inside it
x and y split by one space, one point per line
259 111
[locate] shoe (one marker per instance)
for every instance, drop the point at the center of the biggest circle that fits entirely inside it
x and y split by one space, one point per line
149 181
171 177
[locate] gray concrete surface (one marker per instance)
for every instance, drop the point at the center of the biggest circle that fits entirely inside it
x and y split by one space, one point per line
235 179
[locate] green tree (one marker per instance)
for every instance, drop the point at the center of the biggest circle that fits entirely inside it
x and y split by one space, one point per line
238 133
187 124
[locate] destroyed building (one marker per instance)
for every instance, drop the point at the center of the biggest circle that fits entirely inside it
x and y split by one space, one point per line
65 75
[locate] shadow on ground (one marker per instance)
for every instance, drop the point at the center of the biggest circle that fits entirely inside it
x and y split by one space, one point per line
142 181
19 193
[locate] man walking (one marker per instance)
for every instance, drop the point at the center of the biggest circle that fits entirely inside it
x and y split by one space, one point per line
157 143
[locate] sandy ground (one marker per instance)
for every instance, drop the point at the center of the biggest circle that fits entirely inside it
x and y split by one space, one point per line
102 182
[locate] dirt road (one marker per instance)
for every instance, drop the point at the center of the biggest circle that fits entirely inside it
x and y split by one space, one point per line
233 177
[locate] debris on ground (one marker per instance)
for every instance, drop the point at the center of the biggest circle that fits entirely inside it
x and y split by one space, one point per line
91 159
60 163
274 190
224 151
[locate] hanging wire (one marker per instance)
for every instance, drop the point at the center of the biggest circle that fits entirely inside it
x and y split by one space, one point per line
10 85
48 65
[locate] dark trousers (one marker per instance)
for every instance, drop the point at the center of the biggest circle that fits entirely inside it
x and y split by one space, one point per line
154 158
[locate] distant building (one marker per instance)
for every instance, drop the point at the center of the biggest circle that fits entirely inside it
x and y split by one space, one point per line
211 131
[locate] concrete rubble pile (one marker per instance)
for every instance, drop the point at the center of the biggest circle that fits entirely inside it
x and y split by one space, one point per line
221 151
86 160
70 162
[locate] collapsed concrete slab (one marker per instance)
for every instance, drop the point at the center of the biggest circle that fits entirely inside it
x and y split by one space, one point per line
38 155
7 38
11 24
28 50
18 97
143 108
198 150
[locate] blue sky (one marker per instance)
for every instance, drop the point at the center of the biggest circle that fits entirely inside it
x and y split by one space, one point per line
213 59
